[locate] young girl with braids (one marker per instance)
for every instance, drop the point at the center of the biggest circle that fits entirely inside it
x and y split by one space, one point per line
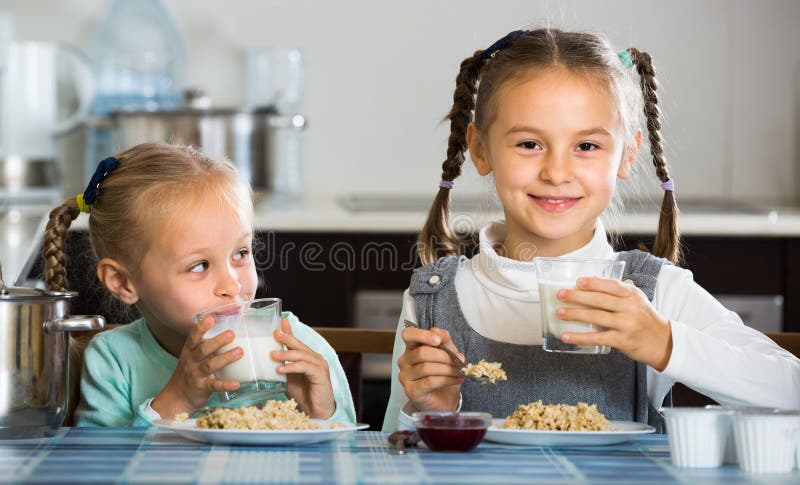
173 232
554 116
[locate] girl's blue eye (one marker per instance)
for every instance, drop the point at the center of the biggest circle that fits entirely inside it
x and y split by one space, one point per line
241 254
199 267
586 146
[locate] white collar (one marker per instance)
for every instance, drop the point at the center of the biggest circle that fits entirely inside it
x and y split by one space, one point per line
517 279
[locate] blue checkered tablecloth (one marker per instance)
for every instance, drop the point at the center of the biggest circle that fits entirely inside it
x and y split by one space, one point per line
142 455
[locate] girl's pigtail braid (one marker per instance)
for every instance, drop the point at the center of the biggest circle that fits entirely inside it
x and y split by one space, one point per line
436 239
54 246
667 243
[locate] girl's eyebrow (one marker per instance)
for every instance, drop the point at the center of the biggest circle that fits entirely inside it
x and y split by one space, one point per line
597 130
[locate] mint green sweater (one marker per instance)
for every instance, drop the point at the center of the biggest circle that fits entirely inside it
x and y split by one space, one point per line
125 368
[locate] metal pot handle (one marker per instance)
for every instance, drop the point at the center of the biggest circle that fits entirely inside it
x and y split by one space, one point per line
75 324
296 122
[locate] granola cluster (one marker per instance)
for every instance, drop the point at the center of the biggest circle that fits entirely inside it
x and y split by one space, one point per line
557 417
491 370
273 415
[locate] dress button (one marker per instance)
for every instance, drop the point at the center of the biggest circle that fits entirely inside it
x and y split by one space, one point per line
434 280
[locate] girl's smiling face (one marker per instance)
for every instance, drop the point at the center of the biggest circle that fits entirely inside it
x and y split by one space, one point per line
556 147
199 260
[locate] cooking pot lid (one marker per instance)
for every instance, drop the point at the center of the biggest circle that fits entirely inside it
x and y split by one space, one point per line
17 293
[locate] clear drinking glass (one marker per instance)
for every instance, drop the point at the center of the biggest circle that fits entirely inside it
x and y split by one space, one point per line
275 77
555 274
253 323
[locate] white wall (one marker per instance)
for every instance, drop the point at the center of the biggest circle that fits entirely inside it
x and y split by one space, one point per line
381 77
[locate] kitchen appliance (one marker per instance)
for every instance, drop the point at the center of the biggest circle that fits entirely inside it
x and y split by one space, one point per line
29 112
246 137
34 350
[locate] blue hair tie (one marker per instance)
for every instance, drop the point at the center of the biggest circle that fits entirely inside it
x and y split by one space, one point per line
626 59
103 169
501 44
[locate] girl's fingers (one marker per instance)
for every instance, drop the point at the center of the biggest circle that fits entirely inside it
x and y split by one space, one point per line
217 362
195 336
431 383
596 317
209 346
311 371
296 356
425 354
287 338
592 338
447 341
616 288
414 337
428 369
216 385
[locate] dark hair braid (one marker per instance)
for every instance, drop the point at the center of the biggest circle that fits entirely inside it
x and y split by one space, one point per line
667 242
54 247
436 238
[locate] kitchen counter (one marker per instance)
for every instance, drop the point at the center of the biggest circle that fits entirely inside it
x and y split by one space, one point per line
370 214
407 214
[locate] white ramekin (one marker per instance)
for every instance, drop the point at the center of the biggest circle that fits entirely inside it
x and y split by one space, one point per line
767 440
698 437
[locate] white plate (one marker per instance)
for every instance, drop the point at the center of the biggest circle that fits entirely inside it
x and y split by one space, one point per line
620 432
259 437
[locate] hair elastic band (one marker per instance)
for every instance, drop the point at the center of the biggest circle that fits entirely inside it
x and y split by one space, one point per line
89 196
668 185
446 184
81 203
501 44
626 59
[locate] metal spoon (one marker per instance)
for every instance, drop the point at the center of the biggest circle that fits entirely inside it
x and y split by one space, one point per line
460 363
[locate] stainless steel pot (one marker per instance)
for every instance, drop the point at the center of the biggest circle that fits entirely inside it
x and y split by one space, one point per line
247 138
34 363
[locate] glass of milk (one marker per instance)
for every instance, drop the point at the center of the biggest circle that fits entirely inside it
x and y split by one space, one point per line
555 274
253 324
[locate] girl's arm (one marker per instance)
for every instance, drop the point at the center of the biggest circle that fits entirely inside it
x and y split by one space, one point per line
714 353
105 391
397 397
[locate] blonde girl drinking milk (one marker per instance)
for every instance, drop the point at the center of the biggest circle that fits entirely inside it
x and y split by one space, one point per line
173 233
554 116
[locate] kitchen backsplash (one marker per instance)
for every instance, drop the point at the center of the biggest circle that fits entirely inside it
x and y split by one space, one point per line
380 78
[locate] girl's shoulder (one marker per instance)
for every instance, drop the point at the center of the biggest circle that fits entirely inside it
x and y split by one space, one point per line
432 277
121 335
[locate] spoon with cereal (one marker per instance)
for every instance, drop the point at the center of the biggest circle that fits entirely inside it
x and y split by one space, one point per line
482 371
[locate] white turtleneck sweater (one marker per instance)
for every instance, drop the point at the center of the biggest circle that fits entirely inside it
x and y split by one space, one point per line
713 352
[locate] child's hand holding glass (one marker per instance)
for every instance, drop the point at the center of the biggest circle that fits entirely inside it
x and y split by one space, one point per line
428 375
308 377
631 323
193 381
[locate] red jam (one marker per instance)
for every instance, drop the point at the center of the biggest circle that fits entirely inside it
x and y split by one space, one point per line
451 433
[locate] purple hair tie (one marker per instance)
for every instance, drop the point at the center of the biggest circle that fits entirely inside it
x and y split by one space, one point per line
668 185
446 184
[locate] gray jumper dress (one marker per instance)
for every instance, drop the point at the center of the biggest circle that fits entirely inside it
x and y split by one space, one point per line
615 382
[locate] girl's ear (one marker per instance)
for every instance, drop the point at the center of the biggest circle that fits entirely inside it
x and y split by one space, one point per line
117 280
477 150
629 157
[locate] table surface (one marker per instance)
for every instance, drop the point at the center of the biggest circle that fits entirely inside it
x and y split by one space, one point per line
87 455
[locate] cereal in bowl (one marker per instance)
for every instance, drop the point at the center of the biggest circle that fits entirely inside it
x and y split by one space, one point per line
272 415
557 417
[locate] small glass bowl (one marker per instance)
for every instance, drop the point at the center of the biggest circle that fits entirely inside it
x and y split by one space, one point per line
445 431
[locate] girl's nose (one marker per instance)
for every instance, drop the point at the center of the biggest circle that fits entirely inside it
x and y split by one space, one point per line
228 284
556 169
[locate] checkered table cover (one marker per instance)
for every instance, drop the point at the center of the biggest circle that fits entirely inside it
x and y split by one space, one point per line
152 455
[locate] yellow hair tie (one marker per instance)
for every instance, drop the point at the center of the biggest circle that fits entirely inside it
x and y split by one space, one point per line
81 203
